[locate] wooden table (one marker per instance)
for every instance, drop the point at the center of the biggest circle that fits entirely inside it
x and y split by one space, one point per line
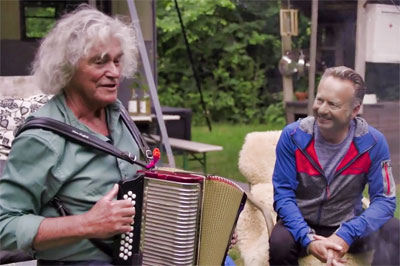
188 147
149 118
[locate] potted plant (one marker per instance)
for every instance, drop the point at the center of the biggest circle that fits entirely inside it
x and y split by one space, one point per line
301 88
301 95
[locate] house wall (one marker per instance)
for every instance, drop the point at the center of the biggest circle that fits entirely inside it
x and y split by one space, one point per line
15 55
9 20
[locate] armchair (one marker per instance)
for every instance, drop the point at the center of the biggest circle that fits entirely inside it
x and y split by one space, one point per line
254 226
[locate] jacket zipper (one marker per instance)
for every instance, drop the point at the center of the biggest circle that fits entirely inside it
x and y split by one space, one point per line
351 162
327 191
320 171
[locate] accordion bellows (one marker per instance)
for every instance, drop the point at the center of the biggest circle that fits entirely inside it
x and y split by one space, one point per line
220 211
185 219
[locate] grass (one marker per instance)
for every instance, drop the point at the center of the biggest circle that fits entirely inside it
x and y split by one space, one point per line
397 212
234 253
231 138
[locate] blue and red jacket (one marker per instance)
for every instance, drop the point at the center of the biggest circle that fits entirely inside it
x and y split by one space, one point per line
303 197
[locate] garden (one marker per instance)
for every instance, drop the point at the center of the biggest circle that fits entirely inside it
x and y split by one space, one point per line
235 48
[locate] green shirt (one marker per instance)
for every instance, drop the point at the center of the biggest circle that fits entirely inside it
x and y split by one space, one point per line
43 164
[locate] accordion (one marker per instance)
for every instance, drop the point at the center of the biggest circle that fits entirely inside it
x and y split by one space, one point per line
181 218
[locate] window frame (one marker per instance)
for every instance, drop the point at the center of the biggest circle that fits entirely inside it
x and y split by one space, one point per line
61 7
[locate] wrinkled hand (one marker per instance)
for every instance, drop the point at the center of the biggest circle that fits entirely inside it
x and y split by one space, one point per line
109 217
327 250
234 239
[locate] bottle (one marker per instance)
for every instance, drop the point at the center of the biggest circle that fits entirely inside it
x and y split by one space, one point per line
144 106
133 103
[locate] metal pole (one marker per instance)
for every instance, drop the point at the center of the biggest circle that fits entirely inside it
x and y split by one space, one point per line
313 53
152 85
92 3
196 77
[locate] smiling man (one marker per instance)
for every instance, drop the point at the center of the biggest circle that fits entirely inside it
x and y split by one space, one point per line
323 164
81 62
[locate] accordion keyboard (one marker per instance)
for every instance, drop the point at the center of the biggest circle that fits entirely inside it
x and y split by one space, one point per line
126 241
126 246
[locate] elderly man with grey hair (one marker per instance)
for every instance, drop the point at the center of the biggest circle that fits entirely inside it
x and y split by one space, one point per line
323 164
81 62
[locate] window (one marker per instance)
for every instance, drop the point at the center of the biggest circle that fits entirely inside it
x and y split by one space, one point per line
38 21
38 17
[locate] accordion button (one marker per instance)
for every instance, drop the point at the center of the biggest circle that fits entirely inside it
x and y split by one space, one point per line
121 255
131 228
125 257
126 245
133 196
126 251
133 203
121 248
130 247
130 234
127 238
129 253
125 196
130 193
123 236
122 242
130 241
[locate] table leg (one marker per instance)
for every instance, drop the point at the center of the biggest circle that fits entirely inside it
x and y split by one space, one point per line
185 160
204 162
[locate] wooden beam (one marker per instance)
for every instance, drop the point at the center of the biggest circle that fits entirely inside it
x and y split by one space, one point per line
313 54
287 82
359 64
361 42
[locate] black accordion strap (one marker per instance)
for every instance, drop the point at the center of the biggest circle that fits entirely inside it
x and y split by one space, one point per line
79 136
136 135
63 211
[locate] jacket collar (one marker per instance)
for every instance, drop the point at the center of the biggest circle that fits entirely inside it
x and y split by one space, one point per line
112 112
303 134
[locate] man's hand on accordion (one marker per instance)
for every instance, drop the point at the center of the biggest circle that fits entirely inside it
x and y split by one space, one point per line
106 218
109 217
234 240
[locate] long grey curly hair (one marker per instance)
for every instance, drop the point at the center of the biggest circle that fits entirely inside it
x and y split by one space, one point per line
72 38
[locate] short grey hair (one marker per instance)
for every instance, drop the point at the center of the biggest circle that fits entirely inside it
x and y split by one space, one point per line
346 73
72 38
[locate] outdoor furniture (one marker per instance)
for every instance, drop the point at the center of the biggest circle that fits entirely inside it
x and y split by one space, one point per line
192 150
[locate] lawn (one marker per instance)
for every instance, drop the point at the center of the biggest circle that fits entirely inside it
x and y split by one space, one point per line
230 137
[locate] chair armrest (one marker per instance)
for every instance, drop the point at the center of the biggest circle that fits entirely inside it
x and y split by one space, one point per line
264 210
